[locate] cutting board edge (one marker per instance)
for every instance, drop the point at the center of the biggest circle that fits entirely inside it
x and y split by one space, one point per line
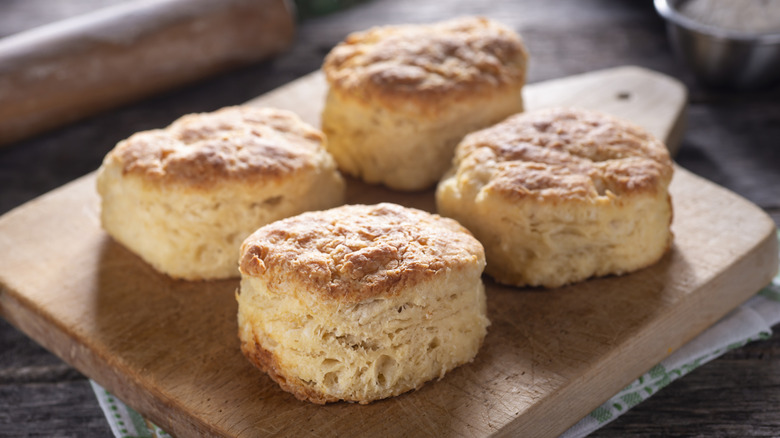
111 375
766 249
53 335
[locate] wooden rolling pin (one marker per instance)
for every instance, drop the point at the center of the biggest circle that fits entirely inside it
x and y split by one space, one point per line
59 73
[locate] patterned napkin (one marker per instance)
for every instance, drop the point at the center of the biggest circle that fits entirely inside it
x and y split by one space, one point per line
750 322
124 421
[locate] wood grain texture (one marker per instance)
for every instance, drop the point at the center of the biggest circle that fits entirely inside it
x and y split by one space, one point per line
59 403
169 348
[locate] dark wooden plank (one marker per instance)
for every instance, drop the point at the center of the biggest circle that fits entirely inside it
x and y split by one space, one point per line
57 409
736 145
42 396
735 396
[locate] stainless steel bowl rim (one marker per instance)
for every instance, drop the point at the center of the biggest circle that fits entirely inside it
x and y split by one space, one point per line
671 14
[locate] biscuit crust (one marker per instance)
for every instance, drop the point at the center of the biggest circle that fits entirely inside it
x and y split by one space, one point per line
360 303
185 197
359 252
427 66
560 195
401 97
233 143
253 350
566 153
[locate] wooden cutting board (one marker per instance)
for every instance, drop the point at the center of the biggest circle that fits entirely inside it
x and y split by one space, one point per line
170 350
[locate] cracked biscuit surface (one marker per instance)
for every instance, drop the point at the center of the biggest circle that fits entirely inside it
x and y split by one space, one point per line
183 198
400 97
561 195
360 302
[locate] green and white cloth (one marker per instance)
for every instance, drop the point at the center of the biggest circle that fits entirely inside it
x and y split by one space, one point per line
124 421
750 322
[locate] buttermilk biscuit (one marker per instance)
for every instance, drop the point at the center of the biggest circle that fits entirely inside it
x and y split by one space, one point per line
360 303
401 97
561 195
184 198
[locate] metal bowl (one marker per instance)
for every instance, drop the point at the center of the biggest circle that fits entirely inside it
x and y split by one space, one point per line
722 58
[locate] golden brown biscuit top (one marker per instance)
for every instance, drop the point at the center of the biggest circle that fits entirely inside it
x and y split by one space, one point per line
422 62
565 153
357 252
231 143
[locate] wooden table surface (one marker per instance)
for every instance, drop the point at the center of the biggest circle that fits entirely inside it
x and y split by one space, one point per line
732 139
